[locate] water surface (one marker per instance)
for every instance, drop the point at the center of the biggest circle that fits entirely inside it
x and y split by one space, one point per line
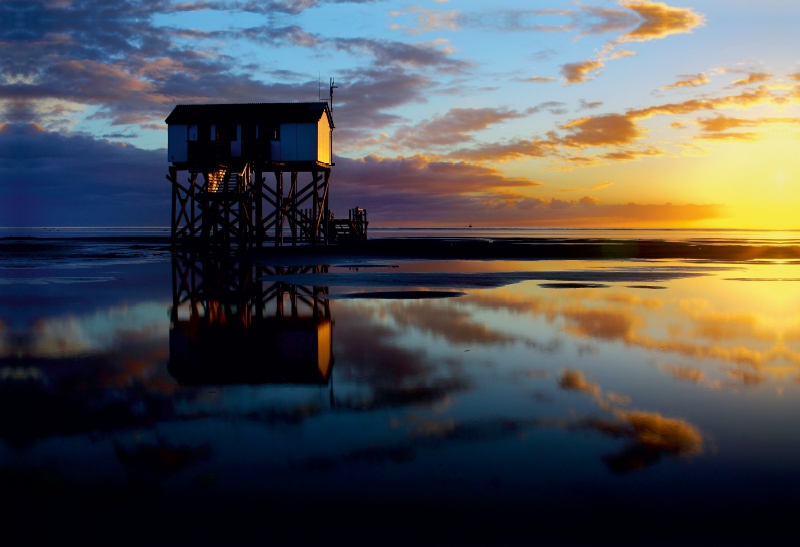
658 390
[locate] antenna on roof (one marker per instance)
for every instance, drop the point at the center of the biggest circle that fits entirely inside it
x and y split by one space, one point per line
319 86
333 86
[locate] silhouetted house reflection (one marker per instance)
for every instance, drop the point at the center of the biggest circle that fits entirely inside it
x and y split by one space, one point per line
239 331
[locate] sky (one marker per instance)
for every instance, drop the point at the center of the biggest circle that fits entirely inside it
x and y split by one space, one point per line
599 113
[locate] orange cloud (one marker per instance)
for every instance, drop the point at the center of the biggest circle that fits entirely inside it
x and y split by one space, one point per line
688 80
622 53
606 324
694 330
632 155
753 78
605 130
723 123
539 79
595 187
743 100
741 136
575 381
579 72
671 435
621 130
658 20
715 126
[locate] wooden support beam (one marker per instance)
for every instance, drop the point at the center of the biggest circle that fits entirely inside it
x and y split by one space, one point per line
293 206
279 209
325 206
260 236
315 208
234 205
173 178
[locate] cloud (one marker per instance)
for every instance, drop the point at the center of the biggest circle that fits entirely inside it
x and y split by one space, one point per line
410 190
650 434
422 174
653 436
505 151
421 55
579 72
752 78
426 20
370 93
722 123
740 136
658 20
733 340
746 99
585 105
553 107
670 435
418 188
605 130
688 80
456 326
595 187
454 127
115 58
615 131
573 380
546 55
714 127
539 79
633 155
120 185
597 20
604 324
622 53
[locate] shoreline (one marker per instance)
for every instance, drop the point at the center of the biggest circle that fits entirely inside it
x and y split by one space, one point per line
444 249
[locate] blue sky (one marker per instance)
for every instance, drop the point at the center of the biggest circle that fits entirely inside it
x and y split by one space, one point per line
595 113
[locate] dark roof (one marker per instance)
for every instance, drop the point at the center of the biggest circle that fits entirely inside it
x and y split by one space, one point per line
185 114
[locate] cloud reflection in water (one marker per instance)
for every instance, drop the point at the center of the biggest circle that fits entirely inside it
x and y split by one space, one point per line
546 389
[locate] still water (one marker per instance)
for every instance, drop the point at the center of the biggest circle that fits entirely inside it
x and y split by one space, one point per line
658 388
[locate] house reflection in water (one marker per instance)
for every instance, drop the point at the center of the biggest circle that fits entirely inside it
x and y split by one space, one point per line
227 327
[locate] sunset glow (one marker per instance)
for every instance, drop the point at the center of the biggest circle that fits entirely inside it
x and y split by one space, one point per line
626 113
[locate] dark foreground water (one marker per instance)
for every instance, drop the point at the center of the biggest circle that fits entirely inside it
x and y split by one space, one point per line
424 401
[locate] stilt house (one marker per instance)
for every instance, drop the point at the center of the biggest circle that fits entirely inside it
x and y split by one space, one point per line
234 147
238 133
